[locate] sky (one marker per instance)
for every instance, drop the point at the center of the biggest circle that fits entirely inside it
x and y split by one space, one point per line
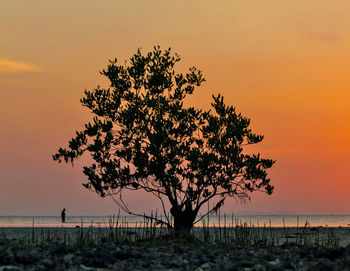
283 64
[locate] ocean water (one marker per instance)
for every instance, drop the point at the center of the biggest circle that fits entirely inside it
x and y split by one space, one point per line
228 220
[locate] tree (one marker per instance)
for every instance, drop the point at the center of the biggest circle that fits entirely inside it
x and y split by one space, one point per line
143 137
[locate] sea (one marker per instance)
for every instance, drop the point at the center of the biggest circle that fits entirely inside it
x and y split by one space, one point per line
214 221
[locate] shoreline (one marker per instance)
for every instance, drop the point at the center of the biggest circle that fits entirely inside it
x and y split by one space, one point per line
274 221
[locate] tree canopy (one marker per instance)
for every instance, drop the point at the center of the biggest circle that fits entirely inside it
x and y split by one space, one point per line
142 137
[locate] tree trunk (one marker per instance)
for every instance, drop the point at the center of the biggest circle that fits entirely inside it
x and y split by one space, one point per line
183 219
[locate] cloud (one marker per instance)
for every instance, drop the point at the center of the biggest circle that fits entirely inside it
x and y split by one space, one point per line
11 66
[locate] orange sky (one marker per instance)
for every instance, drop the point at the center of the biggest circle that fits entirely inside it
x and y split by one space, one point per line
284 64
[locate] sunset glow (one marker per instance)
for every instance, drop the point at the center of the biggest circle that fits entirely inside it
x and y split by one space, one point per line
285 65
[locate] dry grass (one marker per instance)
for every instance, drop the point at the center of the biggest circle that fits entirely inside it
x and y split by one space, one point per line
231 232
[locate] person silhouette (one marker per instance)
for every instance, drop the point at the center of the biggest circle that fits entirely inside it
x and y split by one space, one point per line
63 215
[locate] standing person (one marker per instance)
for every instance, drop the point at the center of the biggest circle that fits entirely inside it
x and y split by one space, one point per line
63 215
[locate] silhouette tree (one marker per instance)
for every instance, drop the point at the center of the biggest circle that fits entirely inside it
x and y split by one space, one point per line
143 137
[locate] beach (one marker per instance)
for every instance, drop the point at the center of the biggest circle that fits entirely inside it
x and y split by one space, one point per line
21 248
